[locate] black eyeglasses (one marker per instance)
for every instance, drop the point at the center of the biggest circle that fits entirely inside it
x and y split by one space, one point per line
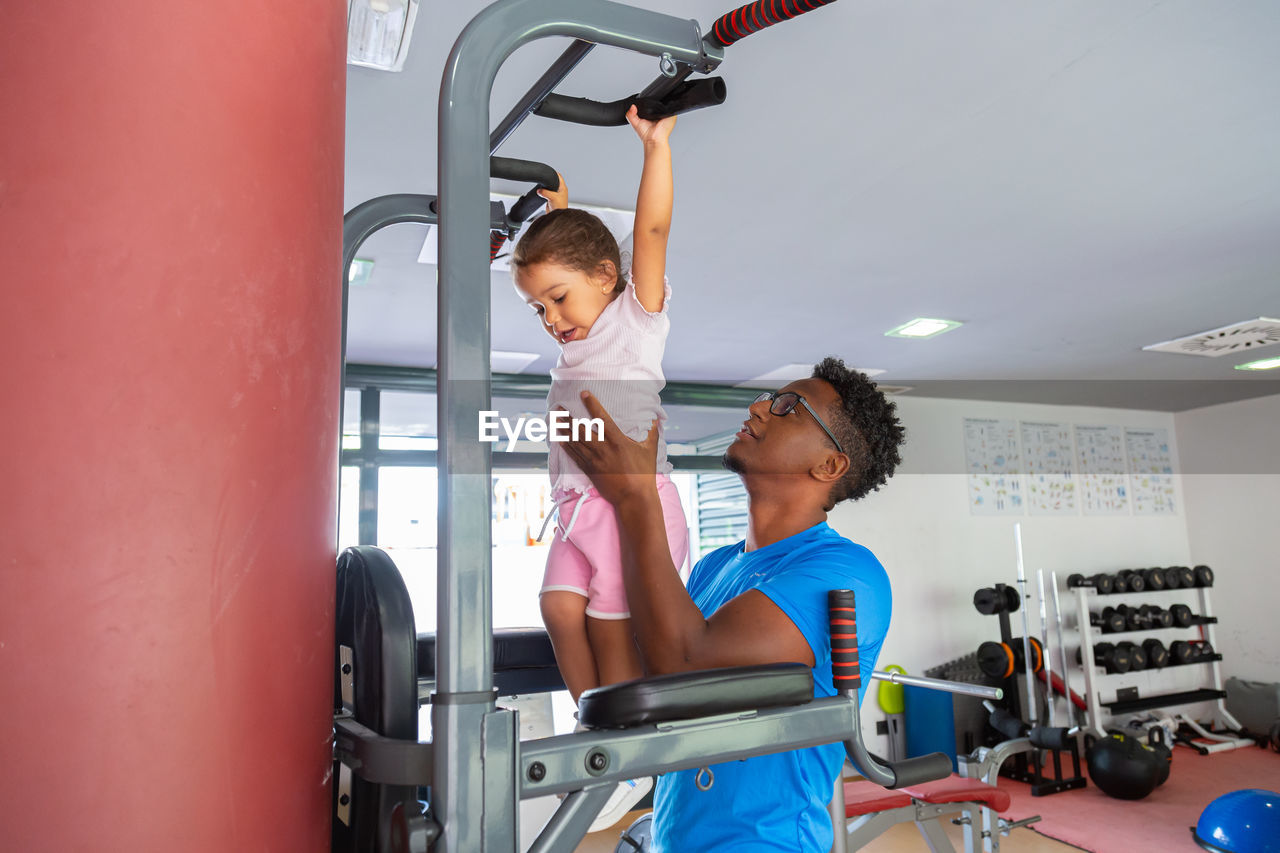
785 404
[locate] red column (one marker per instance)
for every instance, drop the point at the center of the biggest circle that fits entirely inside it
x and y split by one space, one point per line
170 239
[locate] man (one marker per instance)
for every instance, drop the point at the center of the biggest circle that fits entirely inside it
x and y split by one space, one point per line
802 450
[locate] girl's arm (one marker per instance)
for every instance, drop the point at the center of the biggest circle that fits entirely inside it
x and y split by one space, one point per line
653 210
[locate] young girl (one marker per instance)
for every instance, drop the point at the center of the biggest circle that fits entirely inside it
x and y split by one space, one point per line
612 330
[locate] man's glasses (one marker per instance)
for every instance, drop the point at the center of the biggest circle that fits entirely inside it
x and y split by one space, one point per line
785 404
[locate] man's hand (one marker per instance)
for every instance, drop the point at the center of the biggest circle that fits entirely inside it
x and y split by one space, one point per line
620 467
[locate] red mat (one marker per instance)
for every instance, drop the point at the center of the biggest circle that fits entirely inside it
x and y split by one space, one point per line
1089 819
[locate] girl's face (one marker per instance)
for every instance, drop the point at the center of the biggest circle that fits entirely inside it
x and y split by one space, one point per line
568 301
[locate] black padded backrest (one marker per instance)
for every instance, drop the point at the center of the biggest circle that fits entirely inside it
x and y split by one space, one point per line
374 618
686 695
523 661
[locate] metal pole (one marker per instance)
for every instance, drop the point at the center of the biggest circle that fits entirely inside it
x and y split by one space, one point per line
1072 716
474 776
979 690
539 91
1026 642
1048 658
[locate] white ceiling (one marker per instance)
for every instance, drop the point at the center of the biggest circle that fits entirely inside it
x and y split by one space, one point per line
1071 180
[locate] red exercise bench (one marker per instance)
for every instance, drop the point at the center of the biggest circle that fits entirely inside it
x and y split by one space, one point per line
871 809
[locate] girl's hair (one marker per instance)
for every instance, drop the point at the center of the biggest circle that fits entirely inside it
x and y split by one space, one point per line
572 238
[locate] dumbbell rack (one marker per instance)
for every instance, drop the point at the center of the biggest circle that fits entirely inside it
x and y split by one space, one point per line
1214 692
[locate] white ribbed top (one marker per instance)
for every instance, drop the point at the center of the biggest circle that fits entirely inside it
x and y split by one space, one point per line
620 362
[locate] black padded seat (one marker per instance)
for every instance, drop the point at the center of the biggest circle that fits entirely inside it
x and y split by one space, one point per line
523 661
686 695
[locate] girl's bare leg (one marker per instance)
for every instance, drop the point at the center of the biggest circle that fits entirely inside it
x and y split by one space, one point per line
565 615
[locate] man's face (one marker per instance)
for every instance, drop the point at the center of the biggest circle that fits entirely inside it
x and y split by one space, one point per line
780 444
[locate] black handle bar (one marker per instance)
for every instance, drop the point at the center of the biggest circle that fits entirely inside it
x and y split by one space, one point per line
685 97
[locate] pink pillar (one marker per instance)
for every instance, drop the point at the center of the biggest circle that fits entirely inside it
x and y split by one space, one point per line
170 229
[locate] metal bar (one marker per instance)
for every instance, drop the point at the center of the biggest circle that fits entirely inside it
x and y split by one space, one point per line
370 403
980 690
1072 716
1048 658
649 750
544 86
464 640
1091 699
1026 641
570 822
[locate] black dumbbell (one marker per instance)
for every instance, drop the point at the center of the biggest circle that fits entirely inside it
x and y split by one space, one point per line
1172 579
1109 620
1132 617
1001 660
1153 616
1204 651
1157 654
1180 652
1110 657
1161 618
1104 584
1137 657
1154 578
1204 576
1131 580
1187 576
1182 615
990 601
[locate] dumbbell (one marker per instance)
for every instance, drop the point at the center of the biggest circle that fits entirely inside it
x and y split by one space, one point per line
1137 657
1181 615
1110 657
1186 577
1132 616
1001 660
1104 584
1174 578
990 601
1180 652
1109 620
1154 578
1157 654
1204 576
1131 580
1155 617
1204 651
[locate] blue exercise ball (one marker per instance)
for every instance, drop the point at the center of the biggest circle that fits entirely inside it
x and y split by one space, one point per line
1245 821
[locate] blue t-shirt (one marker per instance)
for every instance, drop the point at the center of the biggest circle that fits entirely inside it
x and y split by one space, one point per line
776 802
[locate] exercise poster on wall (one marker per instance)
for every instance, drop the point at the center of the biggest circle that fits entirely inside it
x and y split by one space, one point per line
1046 448
1100 452
991 458
1150 471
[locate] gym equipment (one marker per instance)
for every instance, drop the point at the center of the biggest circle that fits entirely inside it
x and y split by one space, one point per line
1129 580
1003 659
1181 615
1137 657
1246 821
1062 650
990 601
1154 578
1204 576
637 837
1103 583
1112 658
1108 620
1157 654
1124 767
890 699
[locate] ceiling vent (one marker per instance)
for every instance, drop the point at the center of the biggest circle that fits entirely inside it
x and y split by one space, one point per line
1235 339
893 389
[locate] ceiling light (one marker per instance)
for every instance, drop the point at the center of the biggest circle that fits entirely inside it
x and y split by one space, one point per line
1261 364
359 271
780 376
1225 340
923 327
378 32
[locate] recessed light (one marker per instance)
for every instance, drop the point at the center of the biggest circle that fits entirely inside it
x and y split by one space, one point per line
359 272
1260 364
923 327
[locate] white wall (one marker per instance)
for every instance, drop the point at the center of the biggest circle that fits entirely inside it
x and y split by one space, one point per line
938 554
1231 485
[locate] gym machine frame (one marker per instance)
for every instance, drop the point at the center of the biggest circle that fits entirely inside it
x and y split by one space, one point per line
476 766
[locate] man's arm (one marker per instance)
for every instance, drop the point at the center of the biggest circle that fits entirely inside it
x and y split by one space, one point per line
671 632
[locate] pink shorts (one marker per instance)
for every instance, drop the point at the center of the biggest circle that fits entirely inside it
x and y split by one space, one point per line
589 560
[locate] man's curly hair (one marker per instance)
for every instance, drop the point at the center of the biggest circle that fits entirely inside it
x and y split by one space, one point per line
867 426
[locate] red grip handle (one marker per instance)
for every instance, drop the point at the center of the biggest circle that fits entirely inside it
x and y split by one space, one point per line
753 17
496 241
842 619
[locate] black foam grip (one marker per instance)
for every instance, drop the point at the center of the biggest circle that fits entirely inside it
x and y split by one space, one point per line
524 171
687 96
1047 738
753 17
842 620
1007 724
527 205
